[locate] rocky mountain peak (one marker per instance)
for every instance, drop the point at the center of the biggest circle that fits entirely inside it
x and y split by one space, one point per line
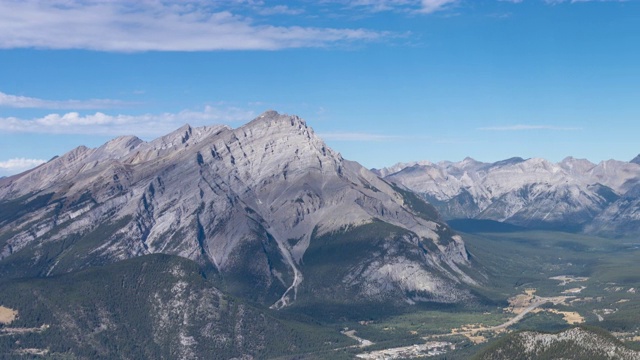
575 165
469 164
636 160
271 121
181 137
119 147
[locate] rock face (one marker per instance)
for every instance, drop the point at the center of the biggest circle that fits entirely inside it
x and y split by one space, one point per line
636 160
575 343
574 194
250 202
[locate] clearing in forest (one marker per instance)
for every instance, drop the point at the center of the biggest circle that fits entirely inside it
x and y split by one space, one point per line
7 315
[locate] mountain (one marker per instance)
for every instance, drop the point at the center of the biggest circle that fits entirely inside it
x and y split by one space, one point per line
268 207
572 195
575 343
636 160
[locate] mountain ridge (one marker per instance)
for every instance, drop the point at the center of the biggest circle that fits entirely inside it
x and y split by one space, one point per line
573 194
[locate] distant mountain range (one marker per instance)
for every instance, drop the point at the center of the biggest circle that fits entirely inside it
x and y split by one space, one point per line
268 206
572 195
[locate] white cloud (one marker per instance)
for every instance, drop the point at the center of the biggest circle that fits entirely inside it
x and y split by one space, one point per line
18 165
280 10
356 136
383 5
528 127
16 101
141 125
418 6
152 25
363 136
431 6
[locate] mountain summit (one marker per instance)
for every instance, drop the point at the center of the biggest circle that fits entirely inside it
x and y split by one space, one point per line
273 210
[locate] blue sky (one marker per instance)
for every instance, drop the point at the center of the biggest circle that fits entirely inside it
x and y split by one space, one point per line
382 81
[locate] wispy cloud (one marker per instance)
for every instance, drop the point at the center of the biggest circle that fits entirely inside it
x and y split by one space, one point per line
280 10
553 2
141 125
363 136
410 6
521 127
16 101
18 165
431 6
129 26
382 5
356 136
